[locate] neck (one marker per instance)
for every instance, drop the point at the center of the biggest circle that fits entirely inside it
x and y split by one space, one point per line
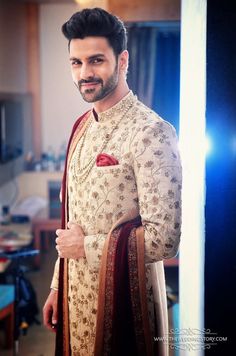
112 98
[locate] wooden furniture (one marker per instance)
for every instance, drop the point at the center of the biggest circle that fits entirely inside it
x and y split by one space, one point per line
13 237
7 312
42 224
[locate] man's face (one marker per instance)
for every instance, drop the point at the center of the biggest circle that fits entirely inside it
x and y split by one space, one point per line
94 67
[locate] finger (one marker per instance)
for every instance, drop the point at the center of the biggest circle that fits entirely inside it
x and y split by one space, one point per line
58 232
57 240
54 314
71 224
74 226
47 320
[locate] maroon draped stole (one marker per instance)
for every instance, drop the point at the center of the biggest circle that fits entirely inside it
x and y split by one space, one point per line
122 319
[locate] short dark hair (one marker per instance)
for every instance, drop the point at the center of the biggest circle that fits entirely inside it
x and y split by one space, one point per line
97 22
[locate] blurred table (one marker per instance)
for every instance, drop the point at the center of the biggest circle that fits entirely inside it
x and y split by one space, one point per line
43 224
14 237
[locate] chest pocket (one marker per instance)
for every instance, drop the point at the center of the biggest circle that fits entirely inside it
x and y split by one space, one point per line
109 170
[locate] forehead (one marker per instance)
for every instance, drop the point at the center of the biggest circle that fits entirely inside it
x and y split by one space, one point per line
89 46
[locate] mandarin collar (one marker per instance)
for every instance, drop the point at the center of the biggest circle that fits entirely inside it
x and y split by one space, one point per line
116 109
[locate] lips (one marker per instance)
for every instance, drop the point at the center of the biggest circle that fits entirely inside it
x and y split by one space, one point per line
89 85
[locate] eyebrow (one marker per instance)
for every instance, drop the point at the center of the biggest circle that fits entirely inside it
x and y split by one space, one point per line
89 58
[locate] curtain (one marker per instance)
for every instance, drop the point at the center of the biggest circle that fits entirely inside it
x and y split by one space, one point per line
154 66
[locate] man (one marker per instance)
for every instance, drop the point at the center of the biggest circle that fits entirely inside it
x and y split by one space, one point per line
121 206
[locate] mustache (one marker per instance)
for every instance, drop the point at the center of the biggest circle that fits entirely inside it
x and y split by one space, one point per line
88 81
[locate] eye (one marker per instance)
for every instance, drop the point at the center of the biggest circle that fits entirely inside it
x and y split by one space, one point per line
97 60
75 62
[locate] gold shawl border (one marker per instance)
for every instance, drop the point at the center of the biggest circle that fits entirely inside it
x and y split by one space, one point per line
142 285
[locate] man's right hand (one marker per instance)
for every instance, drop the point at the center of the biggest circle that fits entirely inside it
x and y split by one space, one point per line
50 311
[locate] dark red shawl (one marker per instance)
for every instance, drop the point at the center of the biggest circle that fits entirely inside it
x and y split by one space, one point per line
122 318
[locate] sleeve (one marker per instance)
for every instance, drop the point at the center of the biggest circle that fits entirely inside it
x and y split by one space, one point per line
55 278
158 175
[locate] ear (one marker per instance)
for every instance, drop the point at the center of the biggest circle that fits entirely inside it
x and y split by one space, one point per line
124 60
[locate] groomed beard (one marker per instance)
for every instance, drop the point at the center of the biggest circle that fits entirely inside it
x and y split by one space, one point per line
106 87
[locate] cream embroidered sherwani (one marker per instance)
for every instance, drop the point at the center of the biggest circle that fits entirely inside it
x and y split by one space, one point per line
147 181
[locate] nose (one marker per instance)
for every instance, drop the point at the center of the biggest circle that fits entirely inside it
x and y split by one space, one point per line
86 71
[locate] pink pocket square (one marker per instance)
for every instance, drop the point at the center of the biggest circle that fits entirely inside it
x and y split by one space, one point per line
104 159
